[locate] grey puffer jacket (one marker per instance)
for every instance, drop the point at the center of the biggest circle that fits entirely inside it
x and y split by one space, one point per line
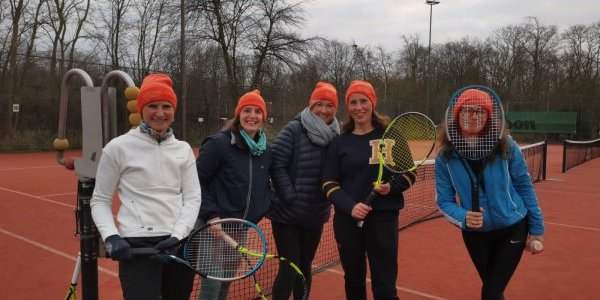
296 176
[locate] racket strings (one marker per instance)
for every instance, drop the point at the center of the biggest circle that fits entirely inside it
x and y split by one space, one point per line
212 255
411 138
475 122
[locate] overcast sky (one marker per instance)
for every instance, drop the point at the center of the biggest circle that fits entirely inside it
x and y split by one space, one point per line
383 22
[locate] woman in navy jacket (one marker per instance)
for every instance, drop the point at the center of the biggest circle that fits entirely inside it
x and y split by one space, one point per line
509 218
300 208
348 175
233 168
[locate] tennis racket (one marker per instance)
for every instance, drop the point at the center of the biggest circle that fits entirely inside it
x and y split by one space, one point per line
405 145
72 290
290 264
287 263
223 250
474 126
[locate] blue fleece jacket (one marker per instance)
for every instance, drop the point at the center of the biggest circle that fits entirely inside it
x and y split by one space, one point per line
507 196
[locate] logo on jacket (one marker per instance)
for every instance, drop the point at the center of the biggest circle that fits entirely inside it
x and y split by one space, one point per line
384 148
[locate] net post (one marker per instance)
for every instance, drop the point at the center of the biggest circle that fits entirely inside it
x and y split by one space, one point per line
545 160
88 240
564 162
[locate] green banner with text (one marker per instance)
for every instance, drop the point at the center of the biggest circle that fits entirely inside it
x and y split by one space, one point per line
542 122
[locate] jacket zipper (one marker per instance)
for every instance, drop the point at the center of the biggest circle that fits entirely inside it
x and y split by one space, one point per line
249 186
133 203
514 205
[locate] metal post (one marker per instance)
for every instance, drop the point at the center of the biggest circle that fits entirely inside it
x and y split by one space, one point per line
109 117
431 3
358 55
545 160
183 74
564 162
88 240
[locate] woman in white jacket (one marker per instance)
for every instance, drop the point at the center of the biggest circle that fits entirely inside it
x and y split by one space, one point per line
156 180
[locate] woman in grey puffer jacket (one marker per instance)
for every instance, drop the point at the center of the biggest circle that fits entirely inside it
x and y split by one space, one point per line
300 208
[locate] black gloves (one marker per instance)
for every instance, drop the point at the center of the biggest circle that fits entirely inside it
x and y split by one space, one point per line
167 245
117 247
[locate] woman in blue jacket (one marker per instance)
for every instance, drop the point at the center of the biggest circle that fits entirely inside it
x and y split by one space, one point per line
300 208
233 168
509 218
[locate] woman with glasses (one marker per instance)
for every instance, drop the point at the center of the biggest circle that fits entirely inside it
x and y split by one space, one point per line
509 219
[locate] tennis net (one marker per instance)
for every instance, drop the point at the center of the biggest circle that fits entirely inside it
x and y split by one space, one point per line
578 152
535 155
420 206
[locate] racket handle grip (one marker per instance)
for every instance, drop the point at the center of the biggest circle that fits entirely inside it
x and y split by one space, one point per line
370 198
144 251
367 201
475 199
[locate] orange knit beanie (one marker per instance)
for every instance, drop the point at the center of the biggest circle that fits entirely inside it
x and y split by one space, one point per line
473 97
324 91
156 87
364 88
252 98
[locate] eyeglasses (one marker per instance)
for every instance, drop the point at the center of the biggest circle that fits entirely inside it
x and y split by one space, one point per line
469 111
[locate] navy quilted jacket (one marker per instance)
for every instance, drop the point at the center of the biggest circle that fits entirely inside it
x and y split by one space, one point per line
296 176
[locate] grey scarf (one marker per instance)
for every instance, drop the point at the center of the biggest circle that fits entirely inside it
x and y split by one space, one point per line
319 132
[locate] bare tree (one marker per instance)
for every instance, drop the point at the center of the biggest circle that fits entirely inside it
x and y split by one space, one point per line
539 42
113 26
251 34
335 61
82 15
17 8
224 22
34 23
273 37
149 25
412 59
506 65
583 55
5 30
385 65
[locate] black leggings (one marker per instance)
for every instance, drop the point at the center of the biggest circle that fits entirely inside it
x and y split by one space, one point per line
144 278
298 244
496 255
377 240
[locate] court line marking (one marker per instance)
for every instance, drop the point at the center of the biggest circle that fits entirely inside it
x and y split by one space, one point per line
36 197
574 226
406 290
52 250
59 194
31 168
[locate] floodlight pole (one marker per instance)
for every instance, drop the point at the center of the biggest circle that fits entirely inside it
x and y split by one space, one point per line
431 3
183 78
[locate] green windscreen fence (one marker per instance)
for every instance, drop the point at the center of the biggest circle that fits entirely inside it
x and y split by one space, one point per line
542 122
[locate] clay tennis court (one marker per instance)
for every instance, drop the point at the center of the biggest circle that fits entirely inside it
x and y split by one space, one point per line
38 247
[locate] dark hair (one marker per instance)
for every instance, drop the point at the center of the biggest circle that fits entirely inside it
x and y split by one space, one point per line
378 120
446 148
233 124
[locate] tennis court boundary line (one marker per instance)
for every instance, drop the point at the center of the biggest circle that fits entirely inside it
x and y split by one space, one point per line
403 289
59 194
52 250
31 168
595 229
36 197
